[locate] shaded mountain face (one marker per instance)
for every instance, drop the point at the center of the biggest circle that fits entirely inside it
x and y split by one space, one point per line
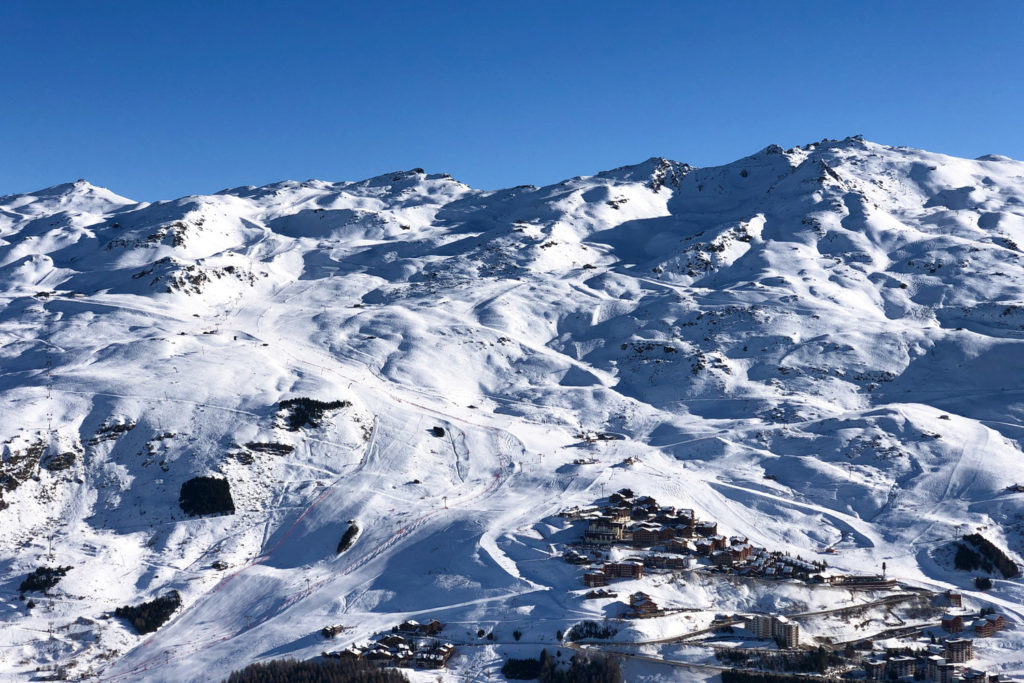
816 347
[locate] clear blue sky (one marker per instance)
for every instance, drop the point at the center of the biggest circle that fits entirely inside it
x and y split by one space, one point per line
161 99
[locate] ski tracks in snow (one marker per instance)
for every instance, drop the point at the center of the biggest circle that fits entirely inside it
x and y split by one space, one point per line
505 444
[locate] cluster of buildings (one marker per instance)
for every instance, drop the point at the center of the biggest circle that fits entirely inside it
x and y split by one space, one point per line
984 627
408 644
640 522
785 631
945 664
673 539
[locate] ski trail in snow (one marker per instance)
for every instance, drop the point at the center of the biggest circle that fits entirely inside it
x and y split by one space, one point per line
853 525
283 604
145 665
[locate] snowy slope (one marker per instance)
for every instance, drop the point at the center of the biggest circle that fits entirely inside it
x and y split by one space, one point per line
816 346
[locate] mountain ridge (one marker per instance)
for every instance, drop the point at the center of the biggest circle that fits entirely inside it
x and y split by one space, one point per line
815 347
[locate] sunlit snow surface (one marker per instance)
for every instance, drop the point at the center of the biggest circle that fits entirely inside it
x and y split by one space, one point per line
814 347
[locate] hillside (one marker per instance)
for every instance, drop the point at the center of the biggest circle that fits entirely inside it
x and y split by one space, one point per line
817 347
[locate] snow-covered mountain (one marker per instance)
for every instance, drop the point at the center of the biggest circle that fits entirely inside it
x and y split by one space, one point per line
816 347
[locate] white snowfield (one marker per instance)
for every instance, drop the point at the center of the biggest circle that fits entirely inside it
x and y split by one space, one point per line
815 347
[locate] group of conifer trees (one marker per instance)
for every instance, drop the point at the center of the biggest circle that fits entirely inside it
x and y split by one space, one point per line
595 668
316 671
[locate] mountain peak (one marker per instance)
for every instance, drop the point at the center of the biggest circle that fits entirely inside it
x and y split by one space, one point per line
655 172
79 194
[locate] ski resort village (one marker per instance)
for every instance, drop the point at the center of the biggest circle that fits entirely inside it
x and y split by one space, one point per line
759 422
877 629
